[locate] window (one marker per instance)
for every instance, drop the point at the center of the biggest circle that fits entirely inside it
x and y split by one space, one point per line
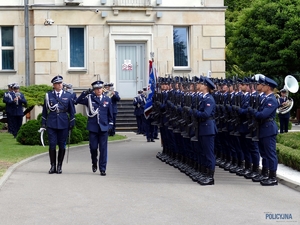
181 46
7 48
77 48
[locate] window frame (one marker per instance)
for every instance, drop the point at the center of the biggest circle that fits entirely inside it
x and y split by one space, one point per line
8 48
186 68
84 68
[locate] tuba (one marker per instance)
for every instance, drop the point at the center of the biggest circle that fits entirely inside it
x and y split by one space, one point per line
290 85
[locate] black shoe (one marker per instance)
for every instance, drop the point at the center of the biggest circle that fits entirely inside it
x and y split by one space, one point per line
102 173
156 138
152 140
59 170
52 169
94 168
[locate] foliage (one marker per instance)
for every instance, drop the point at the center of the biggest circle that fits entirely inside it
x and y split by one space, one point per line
34 94
265 38
29 135
76 136
80 123
288 156
2 126
288 149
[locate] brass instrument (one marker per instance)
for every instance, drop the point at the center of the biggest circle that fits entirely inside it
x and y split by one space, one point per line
290 84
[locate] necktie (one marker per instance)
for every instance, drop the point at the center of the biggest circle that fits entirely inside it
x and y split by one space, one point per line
57 94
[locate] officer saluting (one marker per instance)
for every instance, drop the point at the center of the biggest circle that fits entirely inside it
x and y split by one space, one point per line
100 122
58 117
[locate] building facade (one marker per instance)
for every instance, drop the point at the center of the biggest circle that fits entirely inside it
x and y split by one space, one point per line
111 40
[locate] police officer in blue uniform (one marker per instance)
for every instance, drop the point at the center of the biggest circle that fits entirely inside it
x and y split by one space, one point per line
207 130
7 99
58 118
69 88
283 117
115 97
268 130
100 123
17 105
137 102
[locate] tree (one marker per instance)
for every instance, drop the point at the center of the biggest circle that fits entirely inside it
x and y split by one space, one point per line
266 38
34 94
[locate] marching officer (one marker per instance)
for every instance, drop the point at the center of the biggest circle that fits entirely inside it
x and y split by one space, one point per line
100 123
58 118
283 118
17 105
268 130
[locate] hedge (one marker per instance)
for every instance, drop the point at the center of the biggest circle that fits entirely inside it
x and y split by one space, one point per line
288 156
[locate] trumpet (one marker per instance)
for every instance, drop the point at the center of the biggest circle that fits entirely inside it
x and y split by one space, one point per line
109 92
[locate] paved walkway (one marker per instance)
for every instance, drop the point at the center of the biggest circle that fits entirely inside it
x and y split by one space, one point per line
138 189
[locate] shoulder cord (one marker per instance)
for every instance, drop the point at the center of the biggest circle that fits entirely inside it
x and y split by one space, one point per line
51 108
89 108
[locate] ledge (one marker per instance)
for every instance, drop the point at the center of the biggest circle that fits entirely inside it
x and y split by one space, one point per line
187 69
8 71
77 70
130 22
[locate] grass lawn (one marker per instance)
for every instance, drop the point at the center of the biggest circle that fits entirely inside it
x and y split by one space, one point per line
12 152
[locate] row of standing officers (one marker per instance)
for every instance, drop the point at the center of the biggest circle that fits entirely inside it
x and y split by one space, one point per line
207 122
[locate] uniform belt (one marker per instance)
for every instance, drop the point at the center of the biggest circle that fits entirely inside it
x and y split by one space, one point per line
266 120
205 119
60 111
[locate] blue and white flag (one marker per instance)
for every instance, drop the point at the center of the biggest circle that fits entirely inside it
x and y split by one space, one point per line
150 90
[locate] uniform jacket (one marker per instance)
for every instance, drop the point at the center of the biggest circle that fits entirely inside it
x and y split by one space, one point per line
137 102
280 101
63 116
16 108
245 103
104 119
266 115
205 114
114 99
7 99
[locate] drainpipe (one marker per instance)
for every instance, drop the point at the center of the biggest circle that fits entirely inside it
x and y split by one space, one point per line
27 66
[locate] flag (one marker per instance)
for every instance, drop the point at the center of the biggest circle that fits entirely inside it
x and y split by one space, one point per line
150 90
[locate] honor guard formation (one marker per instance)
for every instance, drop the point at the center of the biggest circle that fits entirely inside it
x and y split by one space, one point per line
206 122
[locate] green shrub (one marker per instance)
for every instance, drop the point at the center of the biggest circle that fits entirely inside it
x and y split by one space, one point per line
29 135
288 156
291 139
80 123
76 136
2 126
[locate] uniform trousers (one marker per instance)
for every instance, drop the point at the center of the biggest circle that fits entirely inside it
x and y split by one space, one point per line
99 140
57 137
268 148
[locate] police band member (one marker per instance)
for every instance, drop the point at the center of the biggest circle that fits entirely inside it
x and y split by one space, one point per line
69 88
283 118
17 105
114 95
8 99
100 122
58 118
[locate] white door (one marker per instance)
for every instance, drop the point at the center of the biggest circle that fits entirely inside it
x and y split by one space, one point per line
130 69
